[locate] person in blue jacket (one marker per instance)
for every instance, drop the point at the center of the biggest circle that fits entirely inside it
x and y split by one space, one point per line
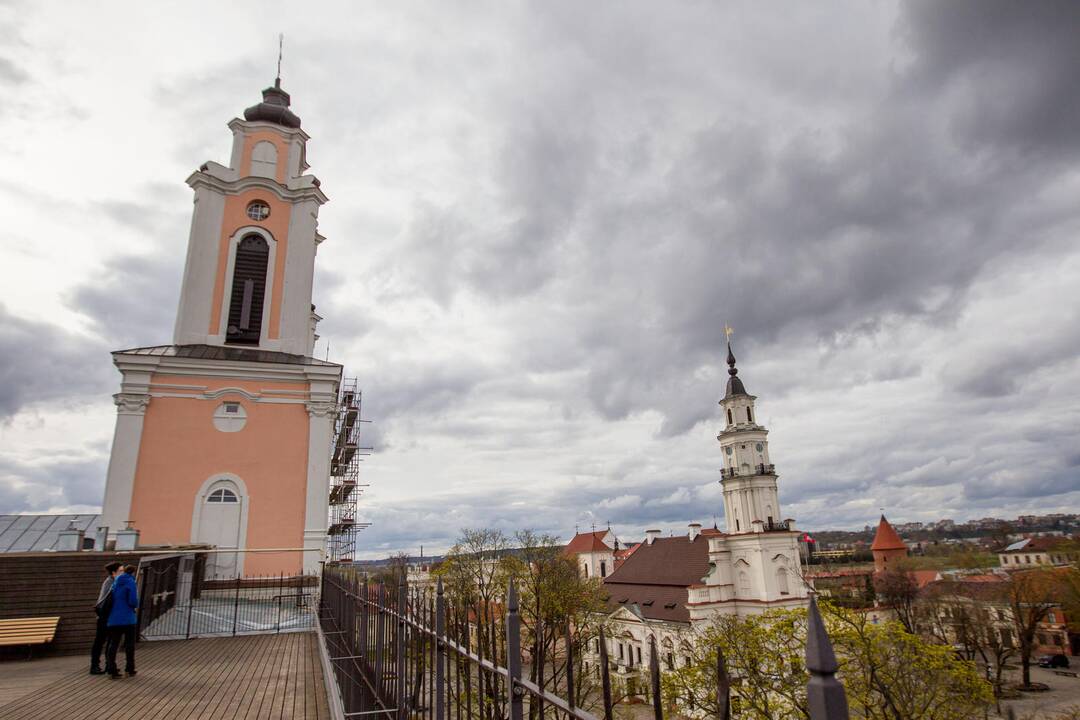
122 623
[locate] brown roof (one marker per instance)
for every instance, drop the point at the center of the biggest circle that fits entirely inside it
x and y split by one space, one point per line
886 537
667 561
587 542
655 602
923 578
656 576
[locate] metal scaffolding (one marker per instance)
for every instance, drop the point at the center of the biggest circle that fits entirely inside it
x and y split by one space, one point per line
344 470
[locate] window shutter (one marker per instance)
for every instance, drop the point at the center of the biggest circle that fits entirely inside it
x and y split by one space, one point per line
248 291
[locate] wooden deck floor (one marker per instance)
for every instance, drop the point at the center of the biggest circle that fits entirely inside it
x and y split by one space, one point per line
262 676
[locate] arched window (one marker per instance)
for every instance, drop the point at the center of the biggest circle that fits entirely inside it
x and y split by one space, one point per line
264 159
782 581
749 417
730 419
585 566
603 568
248 290
222 495
744 583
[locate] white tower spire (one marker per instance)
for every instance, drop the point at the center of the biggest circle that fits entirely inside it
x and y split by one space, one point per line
748 478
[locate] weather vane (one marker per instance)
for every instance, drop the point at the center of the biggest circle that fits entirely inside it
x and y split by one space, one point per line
728 332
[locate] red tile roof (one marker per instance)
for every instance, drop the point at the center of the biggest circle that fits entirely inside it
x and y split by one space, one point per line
886 537
587 542
923 578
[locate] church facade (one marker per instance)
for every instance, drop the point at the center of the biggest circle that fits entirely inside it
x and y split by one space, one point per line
223 437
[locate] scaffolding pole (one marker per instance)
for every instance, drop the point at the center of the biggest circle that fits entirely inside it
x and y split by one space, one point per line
345 456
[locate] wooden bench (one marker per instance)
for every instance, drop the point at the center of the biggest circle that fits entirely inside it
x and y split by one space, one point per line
1065 673
28 631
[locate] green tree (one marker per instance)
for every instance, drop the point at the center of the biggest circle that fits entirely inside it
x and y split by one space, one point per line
555 598
889 673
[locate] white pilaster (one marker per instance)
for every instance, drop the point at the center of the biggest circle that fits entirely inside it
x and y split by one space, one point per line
120 478
321 414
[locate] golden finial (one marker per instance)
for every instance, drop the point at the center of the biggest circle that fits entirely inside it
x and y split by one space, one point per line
728 332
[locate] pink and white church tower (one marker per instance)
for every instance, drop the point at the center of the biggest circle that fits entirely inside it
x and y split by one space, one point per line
224 436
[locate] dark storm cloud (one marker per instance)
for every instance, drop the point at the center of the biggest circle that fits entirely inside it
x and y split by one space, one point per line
133 303
1010 68
51 483
43 363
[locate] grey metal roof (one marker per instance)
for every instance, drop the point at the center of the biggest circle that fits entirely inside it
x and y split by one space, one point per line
32 533
225 352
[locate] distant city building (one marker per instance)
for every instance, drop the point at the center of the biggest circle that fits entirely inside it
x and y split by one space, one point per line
594 552
1037 551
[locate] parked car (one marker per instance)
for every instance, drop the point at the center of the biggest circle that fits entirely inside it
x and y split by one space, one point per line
1053 661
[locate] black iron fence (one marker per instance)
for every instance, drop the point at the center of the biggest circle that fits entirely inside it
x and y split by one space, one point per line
407 654
176 601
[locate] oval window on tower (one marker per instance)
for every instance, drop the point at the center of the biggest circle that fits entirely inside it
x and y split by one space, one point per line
258 210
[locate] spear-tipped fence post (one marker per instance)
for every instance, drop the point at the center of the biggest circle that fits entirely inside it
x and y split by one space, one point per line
654 674
723 688
569 667
824 693
399 650
440 651
605 675
513 654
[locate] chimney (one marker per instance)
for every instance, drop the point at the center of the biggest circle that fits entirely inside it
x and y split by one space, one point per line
695 530
651 535
101 537
70 539
127 538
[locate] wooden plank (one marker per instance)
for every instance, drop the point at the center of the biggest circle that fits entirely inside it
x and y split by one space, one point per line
263 677
217 708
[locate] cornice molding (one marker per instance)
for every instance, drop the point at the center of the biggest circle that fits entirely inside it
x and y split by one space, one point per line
201 178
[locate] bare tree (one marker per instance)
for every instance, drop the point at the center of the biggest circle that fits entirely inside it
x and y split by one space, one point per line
1031 595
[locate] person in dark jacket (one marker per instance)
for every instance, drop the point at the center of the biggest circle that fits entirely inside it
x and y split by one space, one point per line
102 607
122 623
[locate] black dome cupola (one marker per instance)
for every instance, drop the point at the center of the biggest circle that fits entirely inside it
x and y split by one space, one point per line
734 384
274 108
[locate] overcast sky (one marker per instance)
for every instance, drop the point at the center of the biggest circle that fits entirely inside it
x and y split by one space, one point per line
542 215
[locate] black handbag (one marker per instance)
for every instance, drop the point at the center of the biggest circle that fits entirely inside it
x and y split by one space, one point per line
104 607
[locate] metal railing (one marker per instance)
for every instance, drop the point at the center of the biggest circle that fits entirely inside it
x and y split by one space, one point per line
177 602
408 654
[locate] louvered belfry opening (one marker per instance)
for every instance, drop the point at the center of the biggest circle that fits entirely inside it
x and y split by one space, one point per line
248 291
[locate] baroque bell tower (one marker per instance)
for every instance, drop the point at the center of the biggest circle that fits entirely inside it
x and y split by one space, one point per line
223 437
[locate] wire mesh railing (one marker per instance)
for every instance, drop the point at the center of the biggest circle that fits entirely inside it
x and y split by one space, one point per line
408 654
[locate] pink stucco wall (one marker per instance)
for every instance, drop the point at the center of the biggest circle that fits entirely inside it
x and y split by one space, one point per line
181 449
